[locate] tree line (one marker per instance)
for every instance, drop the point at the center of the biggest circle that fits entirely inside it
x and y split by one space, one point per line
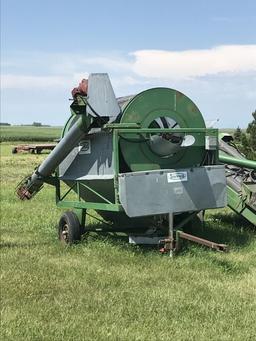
246 141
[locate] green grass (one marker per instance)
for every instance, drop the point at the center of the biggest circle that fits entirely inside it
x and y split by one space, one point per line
29 133
105 289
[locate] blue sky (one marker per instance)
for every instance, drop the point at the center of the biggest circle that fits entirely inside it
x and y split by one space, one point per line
205 49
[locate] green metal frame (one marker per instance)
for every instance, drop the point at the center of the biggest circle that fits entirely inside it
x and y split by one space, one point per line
78 204
145 159
238 203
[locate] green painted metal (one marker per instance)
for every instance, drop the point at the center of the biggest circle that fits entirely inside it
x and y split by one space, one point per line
148 105
143 134
121 125
72 119
78 109
241 197
90 205
141 158
96 191
81 214
240 204
115 155
208 131
144 109
93 191
237 162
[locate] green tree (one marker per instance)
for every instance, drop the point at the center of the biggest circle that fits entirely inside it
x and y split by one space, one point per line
245 146
238 134
251 131
247 142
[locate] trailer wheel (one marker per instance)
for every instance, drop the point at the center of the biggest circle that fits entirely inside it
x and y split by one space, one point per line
69 228
14 150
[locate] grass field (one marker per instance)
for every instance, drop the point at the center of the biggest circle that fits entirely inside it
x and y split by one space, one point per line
105 289
29 133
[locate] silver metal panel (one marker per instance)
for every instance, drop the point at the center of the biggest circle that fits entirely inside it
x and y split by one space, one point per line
90 159
101 96
174 191
145 240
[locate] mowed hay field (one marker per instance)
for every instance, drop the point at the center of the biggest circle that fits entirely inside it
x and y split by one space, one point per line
106 289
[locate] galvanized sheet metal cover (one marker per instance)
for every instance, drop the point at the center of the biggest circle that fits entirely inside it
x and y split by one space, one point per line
182 190
101 96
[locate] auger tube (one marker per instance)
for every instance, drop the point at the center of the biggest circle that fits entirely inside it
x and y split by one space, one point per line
237 162
33 184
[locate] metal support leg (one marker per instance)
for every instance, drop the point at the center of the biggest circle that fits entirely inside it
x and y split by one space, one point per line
171 234
81 214
201 215
169 242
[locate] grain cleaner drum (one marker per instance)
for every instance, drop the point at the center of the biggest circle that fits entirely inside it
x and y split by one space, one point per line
146 163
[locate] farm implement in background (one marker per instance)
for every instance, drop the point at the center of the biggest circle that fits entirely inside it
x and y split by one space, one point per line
146 163
32 148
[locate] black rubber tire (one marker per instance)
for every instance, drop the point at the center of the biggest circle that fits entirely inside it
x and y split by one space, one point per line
69 230
14 150
38 151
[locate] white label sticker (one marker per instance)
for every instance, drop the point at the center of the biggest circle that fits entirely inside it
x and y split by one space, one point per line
84 147
177 176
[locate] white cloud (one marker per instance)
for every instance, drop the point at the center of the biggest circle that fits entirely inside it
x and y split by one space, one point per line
138 67
195 63
221 80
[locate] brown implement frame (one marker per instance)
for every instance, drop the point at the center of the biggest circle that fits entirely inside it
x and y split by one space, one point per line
32 148
173 245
